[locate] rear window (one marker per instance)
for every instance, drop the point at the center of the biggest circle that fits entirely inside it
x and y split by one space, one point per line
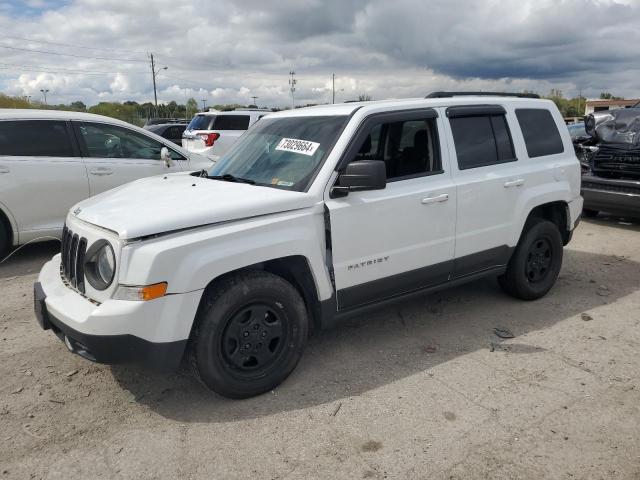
35 138
541 135
231 122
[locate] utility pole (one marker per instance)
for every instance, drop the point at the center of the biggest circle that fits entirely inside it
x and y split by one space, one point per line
44 94
292 87
204 101
333 88
254 100
580 100
153 74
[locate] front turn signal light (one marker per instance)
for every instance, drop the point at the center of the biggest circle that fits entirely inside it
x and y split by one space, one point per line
143 294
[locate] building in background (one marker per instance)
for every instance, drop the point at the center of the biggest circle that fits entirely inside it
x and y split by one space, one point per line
602 105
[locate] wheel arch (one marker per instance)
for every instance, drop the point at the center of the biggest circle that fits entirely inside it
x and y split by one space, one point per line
556 212
6 222
295 269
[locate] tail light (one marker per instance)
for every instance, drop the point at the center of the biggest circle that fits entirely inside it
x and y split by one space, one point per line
209 138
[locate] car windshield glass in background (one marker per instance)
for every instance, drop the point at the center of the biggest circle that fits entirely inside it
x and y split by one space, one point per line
282 152
200 122
37 138
577 130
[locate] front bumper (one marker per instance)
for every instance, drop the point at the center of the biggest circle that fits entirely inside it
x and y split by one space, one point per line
616 196
153 334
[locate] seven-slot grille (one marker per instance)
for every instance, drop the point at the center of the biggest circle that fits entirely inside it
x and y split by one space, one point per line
74 249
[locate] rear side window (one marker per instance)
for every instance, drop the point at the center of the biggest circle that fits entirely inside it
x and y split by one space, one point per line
201 122
482 140
541 135
231 122
35 138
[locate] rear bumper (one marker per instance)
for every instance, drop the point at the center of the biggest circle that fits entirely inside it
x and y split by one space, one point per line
616 196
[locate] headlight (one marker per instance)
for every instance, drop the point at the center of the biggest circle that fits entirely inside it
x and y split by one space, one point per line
100 265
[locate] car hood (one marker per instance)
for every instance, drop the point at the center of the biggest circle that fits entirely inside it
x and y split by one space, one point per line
165 203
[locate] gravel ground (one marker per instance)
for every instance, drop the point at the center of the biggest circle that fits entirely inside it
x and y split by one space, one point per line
420 390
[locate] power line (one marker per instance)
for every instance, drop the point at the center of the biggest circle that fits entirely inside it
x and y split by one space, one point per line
45 42
72 54
54 69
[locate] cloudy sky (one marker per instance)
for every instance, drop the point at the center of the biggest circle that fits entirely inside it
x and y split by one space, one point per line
228 51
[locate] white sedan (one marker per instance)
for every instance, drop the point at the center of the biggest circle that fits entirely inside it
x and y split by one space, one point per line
50 160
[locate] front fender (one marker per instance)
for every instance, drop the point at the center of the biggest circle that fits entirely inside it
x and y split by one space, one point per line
190 260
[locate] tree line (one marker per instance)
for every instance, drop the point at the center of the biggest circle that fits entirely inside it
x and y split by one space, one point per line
137 113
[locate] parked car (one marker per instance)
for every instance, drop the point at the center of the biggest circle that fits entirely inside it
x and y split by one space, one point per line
50 160
212 133
171 131
314 215
610 157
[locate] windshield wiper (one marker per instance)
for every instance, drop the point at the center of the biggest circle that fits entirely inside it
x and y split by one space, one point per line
227 177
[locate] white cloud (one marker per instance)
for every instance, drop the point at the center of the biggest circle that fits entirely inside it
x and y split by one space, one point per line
225 51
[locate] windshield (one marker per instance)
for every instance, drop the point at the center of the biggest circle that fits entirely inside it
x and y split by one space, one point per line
282 152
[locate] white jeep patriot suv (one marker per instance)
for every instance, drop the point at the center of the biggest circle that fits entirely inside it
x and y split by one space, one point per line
313 215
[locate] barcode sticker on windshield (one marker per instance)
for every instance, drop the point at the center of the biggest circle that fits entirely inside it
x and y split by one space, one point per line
298 146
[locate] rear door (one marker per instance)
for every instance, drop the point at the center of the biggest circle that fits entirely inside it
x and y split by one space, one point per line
489 181
41 174
400 239
115 155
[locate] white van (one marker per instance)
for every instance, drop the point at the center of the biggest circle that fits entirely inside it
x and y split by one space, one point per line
50 160
212 133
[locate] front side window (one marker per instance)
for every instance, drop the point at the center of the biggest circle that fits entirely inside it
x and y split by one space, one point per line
481 140
283 153
541 135
35 138
409 148
110 141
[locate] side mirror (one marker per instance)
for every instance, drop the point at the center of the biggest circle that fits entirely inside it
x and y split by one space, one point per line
165 156
360 176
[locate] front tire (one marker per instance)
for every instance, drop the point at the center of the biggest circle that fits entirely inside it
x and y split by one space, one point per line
250 333
589 213
536 262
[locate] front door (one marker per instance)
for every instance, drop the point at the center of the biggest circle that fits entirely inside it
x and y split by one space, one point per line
388 242
116 155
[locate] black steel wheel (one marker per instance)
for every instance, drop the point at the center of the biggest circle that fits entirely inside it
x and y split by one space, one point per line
249 334
539 260
536 262
253 339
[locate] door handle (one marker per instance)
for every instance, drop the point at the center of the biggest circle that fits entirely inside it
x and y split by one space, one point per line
4 169
437 199
101 171
514 183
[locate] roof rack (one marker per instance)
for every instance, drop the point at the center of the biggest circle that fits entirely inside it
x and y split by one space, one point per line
481 94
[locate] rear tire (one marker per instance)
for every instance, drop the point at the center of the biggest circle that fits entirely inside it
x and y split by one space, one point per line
588 213
249 335
536 262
